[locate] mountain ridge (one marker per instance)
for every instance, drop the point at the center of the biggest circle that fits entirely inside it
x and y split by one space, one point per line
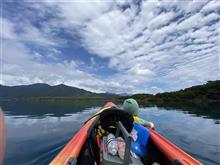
45 90
208 92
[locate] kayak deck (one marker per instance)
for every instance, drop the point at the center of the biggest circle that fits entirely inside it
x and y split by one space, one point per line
84 147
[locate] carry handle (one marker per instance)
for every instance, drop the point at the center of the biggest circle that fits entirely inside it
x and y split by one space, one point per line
127 137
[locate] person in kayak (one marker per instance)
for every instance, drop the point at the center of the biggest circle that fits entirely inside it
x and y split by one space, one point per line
131 106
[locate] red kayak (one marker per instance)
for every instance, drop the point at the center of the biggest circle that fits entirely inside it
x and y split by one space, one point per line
2 136
88 147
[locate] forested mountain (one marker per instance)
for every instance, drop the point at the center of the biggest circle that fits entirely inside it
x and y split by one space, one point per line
44 90
209 92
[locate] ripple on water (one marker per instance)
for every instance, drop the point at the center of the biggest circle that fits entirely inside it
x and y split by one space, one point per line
36 133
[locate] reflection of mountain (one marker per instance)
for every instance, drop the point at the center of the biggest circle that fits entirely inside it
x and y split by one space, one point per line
61 109
204 110
45 90
43 109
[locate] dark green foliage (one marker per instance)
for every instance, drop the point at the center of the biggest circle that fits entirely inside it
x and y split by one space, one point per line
209 92
45 91
200 94
143 99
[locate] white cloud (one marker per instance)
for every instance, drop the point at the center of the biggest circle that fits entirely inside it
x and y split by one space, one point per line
174 44
20 68
78 12
28 33
194 6
140 71
155 89
209 18
161 20
211 6
7 29
190 22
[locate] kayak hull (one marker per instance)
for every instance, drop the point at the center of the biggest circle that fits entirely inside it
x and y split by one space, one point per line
71 151
172 154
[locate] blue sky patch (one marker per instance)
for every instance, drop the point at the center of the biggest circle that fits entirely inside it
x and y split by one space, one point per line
116 47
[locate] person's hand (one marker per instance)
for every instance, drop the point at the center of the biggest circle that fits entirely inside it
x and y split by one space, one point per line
151 125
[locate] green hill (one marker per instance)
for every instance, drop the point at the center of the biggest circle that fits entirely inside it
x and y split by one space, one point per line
207 93
45 90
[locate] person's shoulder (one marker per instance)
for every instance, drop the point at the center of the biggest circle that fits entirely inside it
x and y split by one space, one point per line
137 119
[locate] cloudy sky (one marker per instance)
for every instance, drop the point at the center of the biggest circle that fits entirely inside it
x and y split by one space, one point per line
110 46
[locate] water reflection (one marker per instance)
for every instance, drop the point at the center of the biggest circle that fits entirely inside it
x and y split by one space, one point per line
210 111
197 136
36 132
22 109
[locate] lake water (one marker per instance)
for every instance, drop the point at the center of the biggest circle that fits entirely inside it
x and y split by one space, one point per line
36 132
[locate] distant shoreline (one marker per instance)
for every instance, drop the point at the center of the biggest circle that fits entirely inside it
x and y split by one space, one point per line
201 94
58 99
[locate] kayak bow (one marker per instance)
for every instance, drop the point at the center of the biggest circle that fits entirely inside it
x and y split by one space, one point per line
84 147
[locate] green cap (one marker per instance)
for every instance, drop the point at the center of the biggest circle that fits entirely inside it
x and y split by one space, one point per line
131 106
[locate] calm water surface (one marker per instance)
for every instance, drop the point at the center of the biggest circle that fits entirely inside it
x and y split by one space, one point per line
36 132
